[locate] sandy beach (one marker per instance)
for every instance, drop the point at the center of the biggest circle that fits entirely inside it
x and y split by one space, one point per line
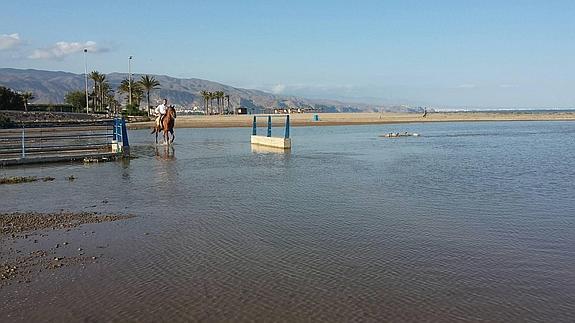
333 119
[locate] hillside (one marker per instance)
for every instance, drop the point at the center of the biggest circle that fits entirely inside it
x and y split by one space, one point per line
51 87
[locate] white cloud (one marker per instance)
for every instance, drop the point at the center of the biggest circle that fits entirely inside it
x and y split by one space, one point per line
278 88
62 49
9 41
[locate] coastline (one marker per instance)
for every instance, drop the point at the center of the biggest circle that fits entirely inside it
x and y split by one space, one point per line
345 119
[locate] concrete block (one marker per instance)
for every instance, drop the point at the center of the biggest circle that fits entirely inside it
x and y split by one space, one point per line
284 143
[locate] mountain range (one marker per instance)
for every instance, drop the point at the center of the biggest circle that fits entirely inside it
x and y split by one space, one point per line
52 86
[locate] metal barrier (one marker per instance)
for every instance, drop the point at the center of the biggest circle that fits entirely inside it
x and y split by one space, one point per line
120 136
269 132
283 143
71 141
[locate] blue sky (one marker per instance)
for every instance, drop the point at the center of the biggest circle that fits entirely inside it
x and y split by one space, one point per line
440 53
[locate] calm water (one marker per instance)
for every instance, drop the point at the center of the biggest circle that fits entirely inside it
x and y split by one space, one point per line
469 222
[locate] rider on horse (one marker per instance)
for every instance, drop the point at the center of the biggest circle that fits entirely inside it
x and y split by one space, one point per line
160 112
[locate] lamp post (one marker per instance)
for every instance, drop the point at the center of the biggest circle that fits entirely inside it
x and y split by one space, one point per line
130 80
86 76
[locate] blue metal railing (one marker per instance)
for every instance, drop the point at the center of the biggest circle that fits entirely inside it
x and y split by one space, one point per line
269 125
120 135
71 138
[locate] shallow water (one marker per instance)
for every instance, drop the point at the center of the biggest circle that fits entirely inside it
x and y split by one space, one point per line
470 221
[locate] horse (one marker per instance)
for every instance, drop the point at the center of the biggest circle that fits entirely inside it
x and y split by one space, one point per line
167 124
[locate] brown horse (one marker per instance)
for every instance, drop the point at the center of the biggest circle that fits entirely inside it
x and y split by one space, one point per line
167 124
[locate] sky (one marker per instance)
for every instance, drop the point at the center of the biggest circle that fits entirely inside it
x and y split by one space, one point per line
458 54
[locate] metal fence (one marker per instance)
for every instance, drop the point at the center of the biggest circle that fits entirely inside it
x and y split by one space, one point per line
45 143
269 125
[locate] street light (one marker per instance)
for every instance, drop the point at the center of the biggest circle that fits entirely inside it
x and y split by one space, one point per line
130 79
86 76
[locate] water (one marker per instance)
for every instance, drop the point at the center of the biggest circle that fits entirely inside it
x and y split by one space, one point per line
470 221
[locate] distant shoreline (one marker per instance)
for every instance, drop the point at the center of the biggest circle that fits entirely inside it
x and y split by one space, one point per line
346 119
304 119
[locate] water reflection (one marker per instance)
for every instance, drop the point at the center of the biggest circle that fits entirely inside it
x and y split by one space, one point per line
167 152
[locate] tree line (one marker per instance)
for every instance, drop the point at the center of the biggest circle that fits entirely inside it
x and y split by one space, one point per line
102 98
12 100
220 98
102 95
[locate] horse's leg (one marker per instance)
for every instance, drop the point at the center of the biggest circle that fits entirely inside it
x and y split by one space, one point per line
173 136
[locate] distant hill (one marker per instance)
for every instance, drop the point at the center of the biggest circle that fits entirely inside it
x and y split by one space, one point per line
51 87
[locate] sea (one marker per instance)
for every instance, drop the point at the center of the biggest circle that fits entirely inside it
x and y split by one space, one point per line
466 222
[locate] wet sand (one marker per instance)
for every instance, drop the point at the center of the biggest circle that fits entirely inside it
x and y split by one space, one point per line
334 119
21 254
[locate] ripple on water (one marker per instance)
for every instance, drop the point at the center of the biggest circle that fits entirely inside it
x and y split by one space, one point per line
469 222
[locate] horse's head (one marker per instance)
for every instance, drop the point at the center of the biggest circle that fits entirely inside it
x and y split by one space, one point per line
171 111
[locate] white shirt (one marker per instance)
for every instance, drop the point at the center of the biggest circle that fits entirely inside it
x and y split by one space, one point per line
161 109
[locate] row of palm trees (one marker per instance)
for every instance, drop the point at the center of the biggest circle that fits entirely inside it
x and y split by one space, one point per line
103 95
220 98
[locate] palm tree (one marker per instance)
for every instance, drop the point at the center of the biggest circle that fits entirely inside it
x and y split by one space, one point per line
149 83
124 86
104 86
217 95
227 96
106 93
205 95
137 91
112 103
212 97
98 78
220 97
27 96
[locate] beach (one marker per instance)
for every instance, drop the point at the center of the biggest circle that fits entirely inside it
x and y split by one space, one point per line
334 119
